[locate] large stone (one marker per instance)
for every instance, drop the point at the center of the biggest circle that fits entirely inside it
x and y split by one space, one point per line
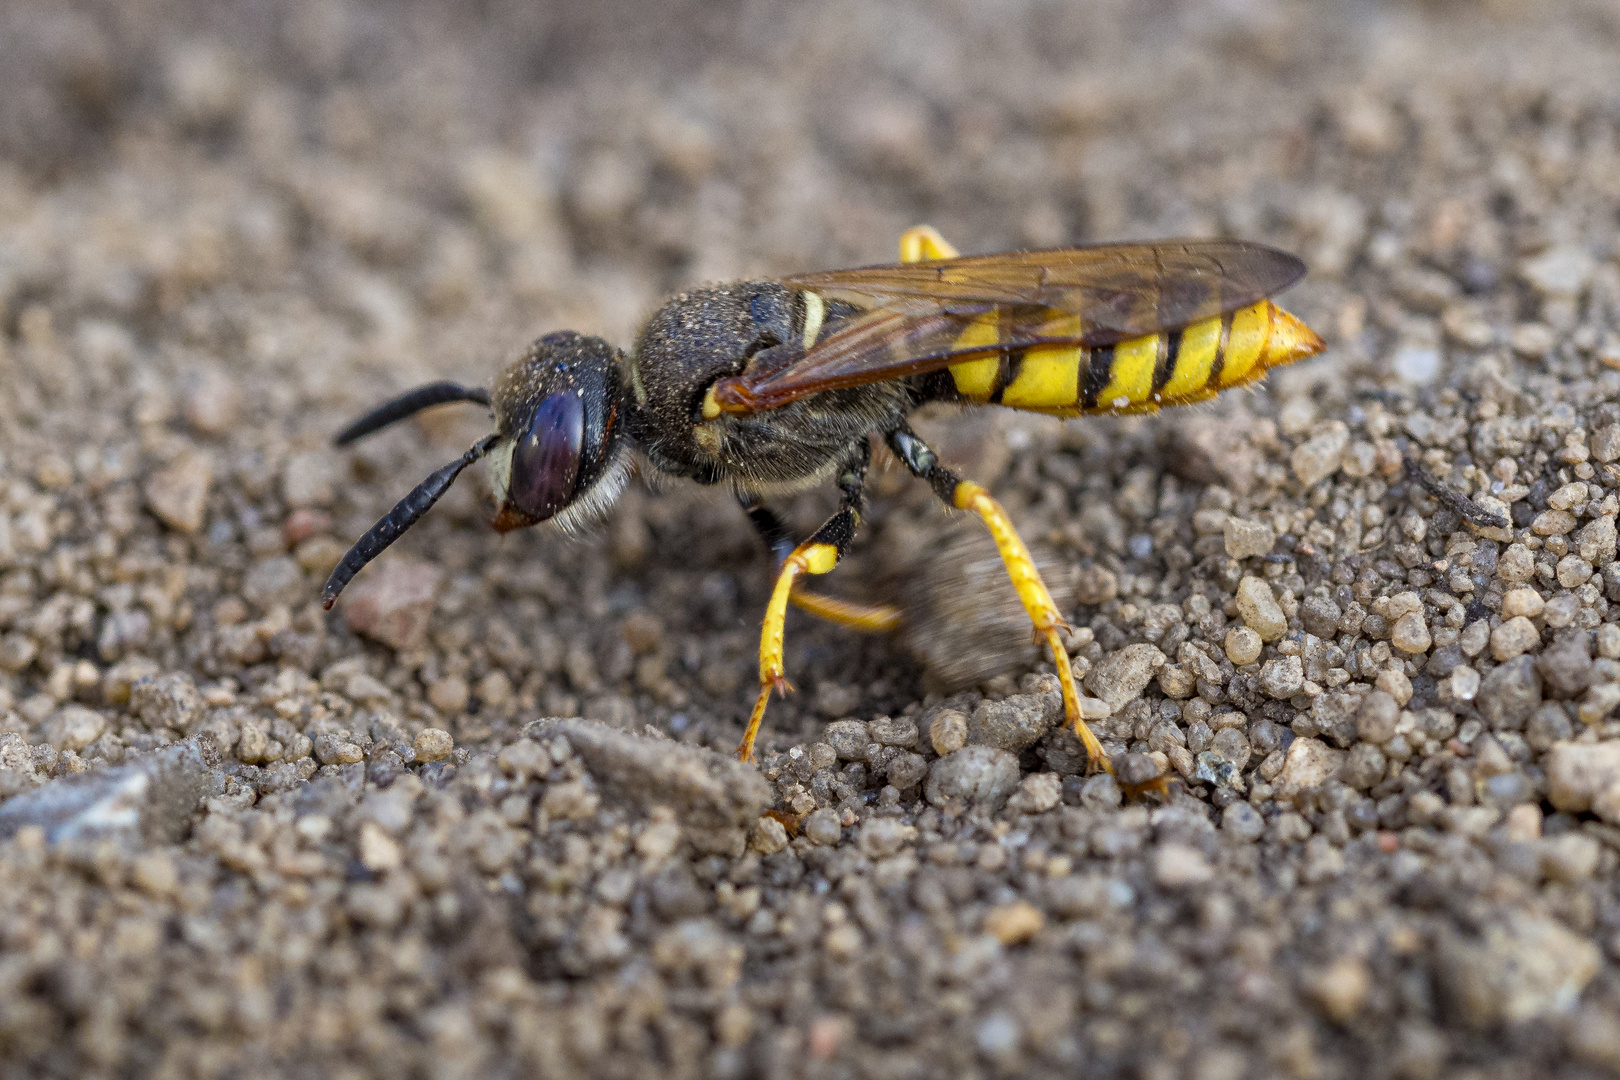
715 798
148 801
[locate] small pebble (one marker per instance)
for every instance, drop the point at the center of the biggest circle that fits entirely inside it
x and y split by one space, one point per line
1014 923
1243 821
331 750
1247 539
1257 607
823 827
1135 770
212 402
449 694
1177 866
1282 678
178 494
1243 645
1553 523
1559 271
975 774
1584 778
768 836
1526 602
1319 458
1376 717
1395 683
393 600
1514 638
1309 764
880 838
947 732
1341 988
432 744
74 727
310 478
1036 794
1410 634
893 731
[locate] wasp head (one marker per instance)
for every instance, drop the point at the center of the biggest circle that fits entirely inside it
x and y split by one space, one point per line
560 451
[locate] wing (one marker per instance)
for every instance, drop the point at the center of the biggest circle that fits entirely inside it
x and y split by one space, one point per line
918 313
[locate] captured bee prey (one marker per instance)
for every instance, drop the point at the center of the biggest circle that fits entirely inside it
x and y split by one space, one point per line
774 386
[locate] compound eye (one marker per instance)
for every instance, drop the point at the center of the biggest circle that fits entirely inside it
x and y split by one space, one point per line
545 462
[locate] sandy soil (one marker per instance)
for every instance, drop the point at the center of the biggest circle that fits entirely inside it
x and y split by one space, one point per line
248 838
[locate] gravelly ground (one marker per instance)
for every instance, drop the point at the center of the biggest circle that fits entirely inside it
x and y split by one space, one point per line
1392 846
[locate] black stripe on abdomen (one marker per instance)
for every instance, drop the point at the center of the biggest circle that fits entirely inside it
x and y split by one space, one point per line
1099 369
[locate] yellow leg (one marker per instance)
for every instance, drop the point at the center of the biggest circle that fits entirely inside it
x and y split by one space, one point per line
920 459
1043 612
810 557
866 618
921 242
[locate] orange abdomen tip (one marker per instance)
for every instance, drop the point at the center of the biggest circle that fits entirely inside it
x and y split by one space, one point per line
1291 340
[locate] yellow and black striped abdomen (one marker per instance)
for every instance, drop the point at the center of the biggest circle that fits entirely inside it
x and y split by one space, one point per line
1174 367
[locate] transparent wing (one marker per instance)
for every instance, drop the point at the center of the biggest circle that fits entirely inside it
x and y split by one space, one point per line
916 313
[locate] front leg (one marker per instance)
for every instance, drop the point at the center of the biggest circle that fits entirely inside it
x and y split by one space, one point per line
1043 612
817 555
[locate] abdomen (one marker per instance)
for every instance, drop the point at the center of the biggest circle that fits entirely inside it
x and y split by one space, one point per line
1174 367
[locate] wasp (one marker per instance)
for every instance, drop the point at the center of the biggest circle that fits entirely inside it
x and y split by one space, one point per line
774 386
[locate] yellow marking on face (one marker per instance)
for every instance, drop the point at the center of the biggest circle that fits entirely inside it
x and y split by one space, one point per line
815 311
1131 377
711 407
976 379
498 463
1250 328
1048 378
1194 360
